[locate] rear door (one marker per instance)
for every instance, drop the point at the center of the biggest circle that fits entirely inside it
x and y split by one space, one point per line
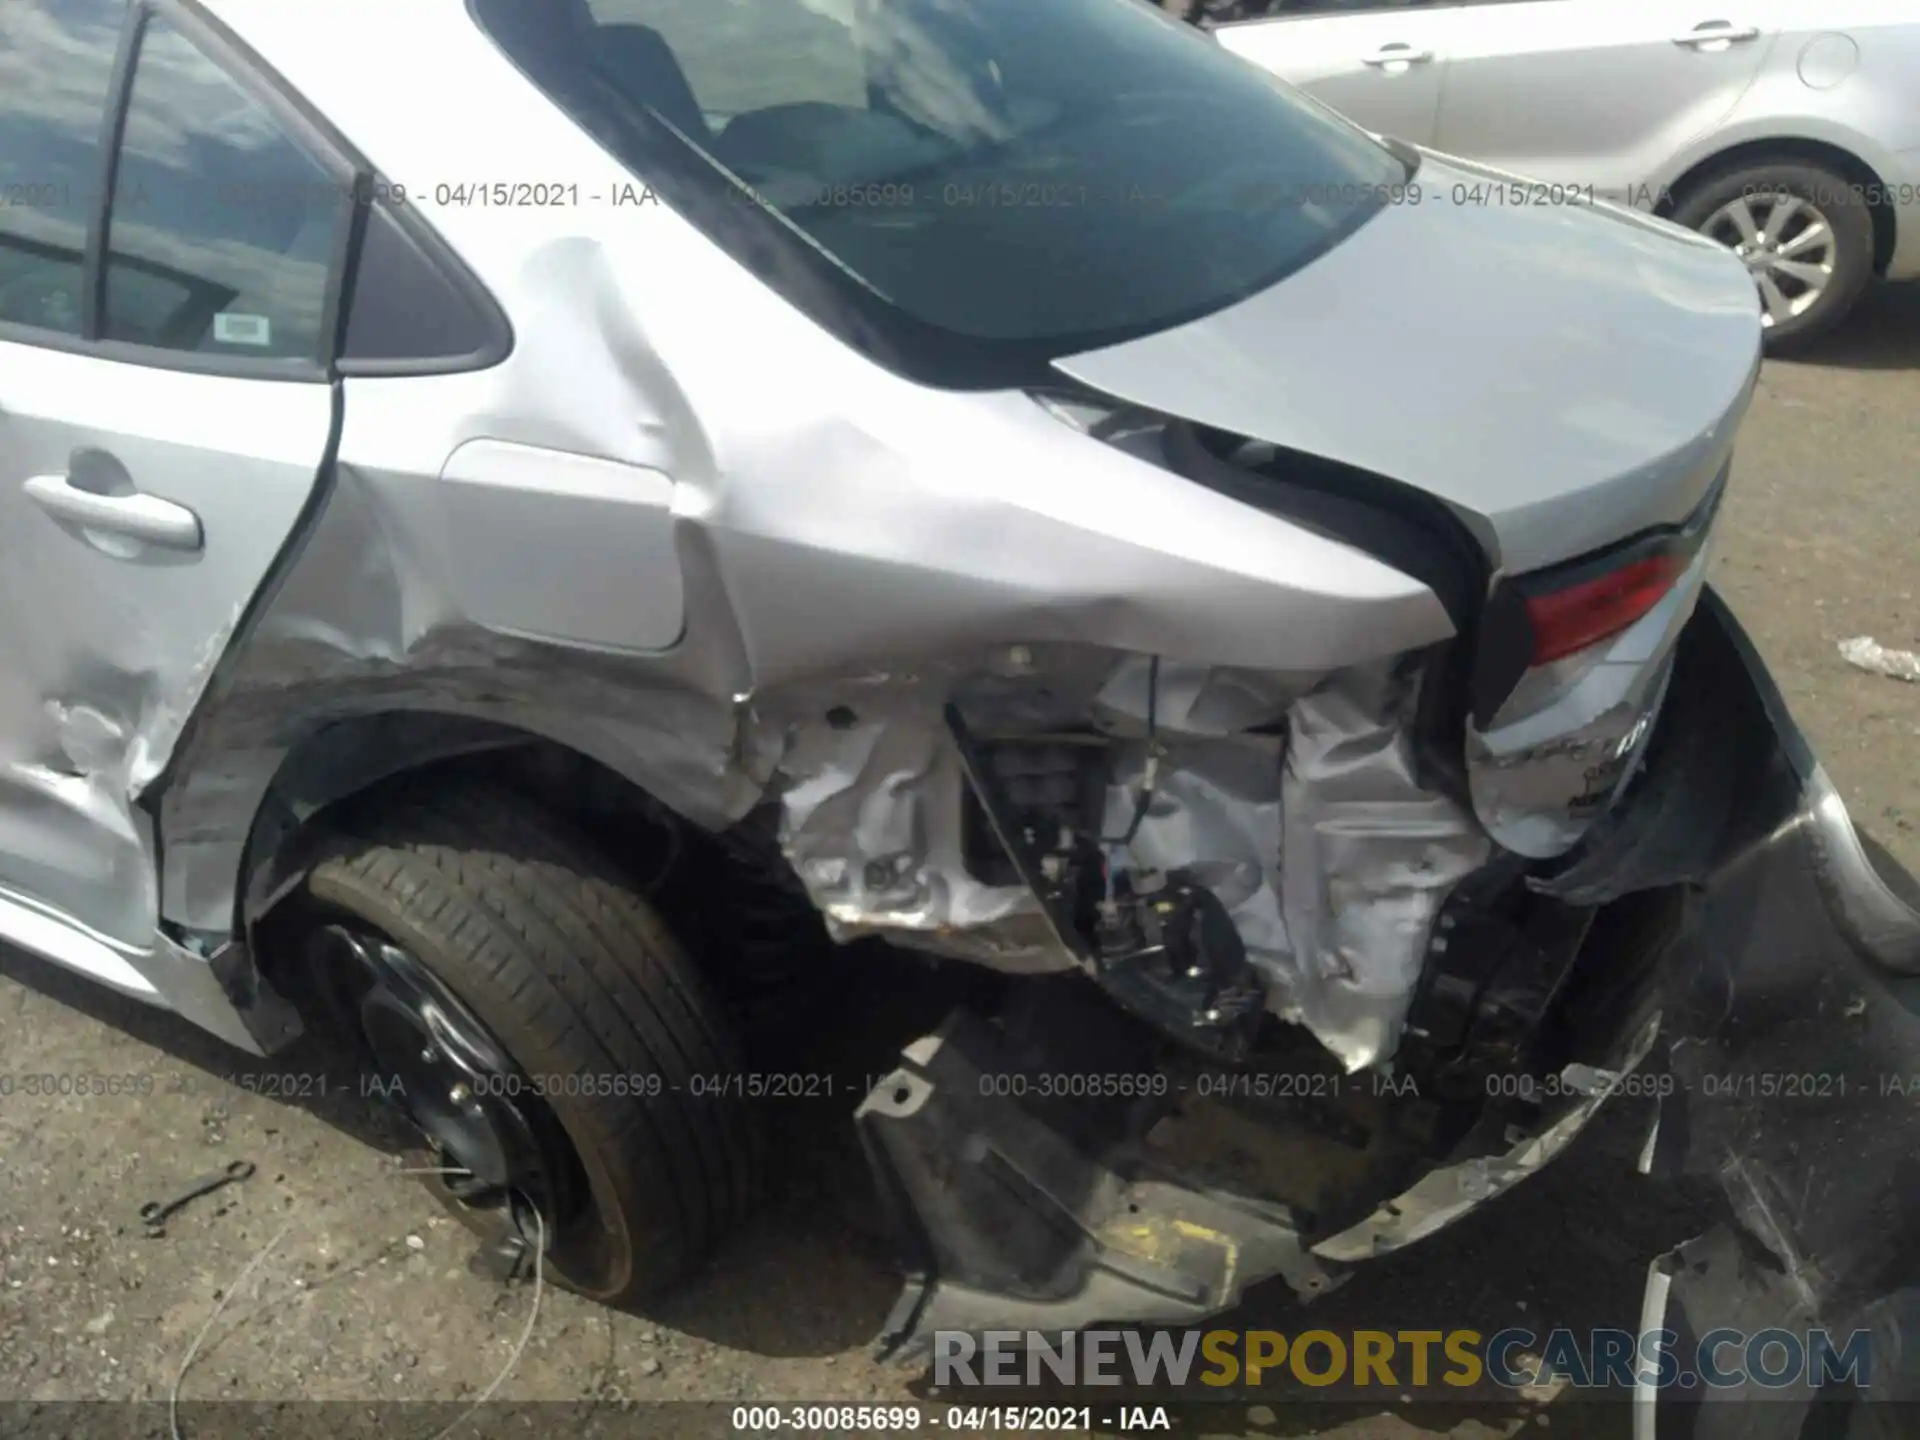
166 326
1596 92
1379 62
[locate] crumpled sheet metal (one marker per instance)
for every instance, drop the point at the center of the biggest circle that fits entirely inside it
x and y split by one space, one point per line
361 630
1216 812
1367 857
1331 859
871 824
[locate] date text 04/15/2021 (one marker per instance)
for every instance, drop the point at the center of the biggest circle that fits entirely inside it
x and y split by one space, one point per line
736 1085
954 1419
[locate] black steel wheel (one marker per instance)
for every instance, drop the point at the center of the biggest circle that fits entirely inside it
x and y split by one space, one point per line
489 1145
513 996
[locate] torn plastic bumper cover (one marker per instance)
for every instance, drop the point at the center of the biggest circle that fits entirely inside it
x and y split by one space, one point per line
1050 1216
1792 1015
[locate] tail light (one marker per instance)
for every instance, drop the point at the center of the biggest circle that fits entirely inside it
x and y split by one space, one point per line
1570 619
1535 619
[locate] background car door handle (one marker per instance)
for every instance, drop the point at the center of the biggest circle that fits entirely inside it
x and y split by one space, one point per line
146 518
1397 55
1717 32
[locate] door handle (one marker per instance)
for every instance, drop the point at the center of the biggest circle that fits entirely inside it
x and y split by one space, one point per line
1397 55
1717 32
146 518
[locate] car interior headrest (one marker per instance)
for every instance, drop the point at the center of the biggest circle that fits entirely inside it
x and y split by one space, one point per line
638 62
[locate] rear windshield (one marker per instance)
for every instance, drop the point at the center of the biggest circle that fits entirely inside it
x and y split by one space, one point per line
966 189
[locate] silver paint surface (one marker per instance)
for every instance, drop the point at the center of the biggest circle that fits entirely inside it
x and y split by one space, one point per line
680 527
1562 376
108 644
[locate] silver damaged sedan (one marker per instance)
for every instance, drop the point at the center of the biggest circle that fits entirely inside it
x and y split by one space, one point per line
518 515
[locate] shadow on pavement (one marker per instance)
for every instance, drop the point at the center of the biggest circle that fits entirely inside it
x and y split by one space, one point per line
1568 1249
1883 333
292 1077
812 1272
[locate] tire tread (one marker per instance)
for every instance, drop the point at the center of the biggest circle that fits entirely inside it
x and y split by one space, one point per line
528 920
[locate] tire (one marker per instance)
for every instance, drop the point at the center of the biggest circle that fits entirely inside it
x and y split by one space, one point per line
560 957
1836 199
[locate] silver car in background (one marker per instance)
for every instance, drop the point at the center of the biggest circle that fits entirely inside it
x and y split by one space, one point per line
1788 130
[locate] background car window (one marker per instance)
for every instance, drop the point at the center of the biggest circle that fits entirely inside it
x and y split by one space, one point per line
222 226
56 61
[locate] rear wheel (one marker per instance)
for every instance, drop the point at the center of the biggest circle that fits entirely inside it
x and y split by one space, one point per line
519 1002
1805 233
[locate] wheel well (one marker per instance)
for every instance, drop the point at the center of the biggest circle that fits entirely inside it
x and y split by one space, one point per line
1814 152
729 897
325 782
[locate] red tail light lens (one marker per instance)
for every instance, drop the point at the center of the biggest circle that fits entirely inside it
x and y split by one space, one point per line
1569 620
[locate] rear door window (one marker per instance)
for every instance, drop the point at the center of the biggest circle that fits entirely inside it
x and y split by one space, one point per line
56 65
222 228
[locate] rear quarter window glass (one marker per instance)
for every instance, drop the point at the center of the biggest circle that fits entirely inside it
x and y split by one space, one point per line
414 308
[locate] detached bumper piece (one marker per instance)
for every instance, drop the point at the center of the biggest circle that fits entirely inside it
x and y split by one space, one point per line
1798 1059
1025 1205
1792 1017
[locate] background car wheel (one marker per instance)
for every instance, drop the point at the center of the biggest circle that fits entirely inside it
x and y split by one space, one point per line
520 1003
1805 233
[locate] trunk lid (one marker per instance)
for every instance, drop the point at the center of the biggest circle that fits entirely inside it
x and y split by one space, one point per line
1562 376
